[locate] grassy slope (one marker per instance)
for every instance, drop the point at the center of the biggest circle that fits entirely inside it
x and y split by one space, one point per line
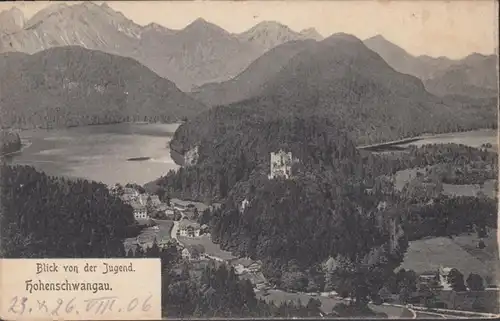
459 252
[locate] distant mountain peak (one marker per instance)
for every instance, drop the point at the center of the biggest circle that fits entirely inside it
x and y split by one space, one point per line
345 37
156 27
270 34
378 37
11 20
270 25
311 33
201 25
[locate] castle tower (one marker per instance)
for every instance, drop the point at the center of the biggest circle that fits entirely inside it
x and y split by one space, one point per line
281 164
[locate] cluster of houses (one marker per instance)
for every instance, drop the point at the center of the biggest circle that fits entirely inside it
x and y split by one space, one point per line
143 204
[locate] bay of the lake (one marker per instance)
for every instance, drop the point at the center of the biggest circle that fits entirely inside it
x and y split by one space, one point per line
101 153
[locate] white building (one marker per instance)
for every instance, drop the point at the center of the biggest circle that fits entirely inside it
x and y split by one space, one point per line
188 228
143 199
244 205
281 164
191 156
140 212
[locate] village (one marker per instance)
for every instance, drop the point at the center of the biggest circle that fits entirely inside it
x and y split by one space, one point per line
176 220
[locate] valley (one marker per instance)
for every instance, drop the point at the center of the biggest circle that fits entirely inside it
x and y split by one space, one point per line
278 169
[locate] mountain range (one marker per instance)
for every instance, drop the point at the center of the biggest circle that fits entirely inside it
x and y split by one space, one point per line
71 86
204 53
338 78
201 52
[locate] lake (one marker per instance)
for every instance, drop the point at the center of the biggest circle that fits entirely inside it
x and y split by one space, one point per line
101 153
474 138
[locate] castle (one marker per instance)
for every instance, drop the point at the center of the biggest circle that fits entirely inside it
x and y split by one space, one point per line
281 164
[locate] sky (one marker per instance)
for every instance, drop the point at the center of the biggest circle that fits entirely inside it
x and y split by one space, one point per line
436 28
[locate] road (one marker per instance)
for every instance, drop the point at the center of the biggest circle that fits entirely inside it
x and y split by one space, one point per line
173 231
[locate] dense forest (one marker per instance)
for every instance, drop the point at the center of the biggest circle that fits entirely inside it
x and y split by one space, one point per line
339 201
211 289
44 216
318 144
9 142
294 225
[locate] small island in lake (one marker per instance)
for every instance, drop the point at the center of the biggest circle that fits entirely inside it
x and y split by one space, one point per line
138 159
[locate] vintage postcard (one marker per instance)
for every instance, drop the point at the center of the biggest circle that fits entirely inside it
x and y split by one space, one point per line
248 159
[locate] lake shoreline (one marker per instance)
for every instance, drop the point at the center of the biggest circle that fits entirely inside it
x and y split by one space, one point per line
396 143
41 129
115 153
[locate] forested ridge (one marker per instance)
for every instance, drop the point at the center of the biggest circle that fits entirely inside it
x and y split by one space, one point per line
74 86
318 144
45 216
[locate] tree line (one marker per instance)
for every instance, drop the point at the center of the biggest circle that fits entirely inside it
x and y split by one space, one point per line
9 142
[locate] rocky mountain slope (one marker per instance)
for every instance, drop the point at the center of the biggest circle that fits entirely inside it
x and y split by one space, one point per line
248 83
11 21
200 53
70 86
269 34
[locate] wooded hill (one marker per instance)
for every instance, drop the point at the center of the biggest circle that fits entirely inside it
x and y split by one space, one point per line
72 86
338 78
44 216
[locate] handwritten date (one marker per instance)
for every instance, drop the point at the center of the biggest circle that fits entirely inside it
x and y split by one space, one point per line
95 306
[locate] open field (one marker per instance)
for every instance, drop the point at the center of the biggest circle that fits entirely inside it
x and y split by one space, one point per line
460 252
488 188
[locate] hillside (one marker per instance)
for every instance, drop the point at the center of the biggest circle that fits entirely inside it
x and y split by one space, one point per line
42 216
70 86
201 52
459 252
474 76
248 83
340 78
422 67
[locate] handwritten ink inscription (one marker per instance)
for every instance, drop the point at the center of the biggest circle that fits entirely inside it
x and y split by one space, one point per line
81 289
98 306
